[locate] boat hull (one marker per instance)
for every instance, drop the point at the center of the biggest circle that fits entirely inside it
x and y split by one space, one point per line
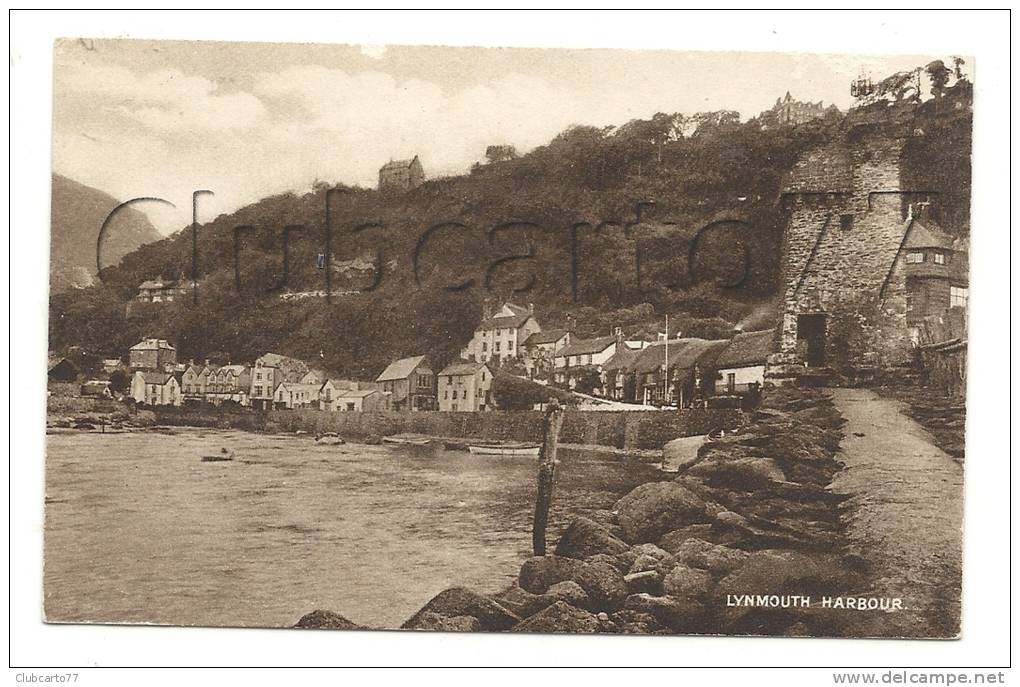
504 450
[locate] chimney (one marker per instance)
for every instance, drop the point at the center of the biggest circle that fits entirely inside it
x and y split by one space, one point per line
531 308
207 362
570 324
486 308
618 333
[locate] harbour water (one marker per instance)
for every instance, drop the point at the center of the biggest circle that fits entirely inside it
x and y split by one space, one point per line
140 530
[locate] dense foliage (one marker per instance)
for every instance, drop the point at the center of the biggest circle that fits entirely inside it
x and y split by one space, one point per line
558 227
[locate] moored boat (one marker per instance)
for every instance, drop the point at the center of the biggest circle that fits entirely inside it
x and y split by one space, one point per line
507 448
410 439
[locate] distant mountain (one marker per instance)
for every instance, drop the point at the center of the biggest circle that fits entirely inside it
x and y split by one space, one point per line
77 215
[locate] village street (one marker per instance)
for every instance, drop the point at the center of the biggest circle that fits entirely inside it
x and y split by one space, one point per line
905 513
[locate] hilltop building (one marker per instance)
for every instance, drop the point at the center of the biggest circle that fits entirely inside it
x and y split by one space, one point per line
159 291
401 175
790 112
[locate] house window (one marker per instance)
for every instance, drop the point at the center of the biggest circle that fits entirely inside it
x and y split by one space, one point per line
846 222
731 381
957 297
483 375
510 345
940 258
497 347
258 391
446 394
485 347
449 381
350 406
914 258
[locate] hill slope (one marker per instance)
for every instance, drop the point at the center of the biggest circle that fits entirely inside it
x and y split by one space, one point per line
556 227
76 216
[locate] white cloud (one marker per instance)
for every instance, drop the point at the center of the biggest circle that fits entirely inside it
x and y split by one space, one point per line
166 100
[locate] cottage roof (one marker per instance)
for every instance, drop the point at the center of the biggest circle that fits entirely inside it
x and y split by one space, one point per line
400 369
683 354
292 368
152 345
358 393
154 284
547 336
459 369
623 359
157 378
585 346
927 234
236 370
746 348
296 386
53 361
517 319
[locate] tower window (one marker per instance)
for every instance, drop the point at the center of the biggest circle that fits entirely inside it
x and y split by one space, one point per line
846 222
915 257
940 258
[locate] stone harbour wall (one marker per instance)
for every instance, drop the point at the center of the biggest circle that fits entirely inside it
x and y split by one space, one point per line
748 515
630 430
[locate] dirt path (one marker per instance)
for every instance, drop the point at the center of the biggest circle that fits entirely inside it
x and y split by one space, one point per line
904 516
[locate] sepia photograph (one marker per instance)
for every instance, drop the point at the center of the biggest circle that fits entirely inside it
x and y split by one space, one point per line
413 339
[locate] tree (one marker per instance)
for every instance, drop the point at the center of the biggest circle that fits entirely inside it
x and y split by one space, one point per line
119 381
500 153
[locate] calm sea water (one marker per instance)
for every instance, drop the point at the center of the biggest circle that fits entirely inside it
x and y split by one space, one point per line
138 529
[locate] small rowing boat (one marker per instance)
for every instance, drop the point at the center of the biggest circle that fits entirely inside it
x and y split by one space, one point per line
408 439
224 456
507 448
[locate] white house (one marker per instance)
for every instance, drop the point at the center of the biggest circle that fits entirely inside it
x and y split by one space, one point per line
156 388
584 355
501 335
465 386
741 365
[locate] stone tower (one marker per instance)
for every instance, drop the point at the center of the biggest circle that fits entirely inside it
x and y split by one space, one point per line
848 217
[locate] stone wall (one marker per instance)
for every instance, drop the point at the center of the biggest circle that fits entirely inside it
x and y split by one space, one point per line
635 429
846 225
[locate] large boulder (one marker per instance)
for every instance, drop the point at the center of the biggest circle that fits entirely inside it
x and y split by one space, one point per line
647 581
683 452
520 602
459 601
541 572
775 571
561 617
672 540
746 473
715 558
651 510
686 583
326 620
677 616
442 623
568 591
585 537
604 585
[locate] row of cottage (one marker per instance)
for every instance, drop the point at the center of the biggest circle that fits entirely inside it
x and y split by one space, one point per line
678 371
276 381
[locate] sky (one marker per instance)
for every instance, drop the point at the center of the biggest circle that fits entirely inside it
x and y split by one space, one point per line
161 119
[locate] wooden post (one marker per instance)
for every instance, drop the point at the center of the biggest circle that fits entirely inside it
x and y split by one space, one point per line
546 474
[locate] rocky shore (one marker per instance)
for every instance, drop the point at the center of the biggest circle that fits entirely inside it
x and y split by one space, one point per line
747 539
